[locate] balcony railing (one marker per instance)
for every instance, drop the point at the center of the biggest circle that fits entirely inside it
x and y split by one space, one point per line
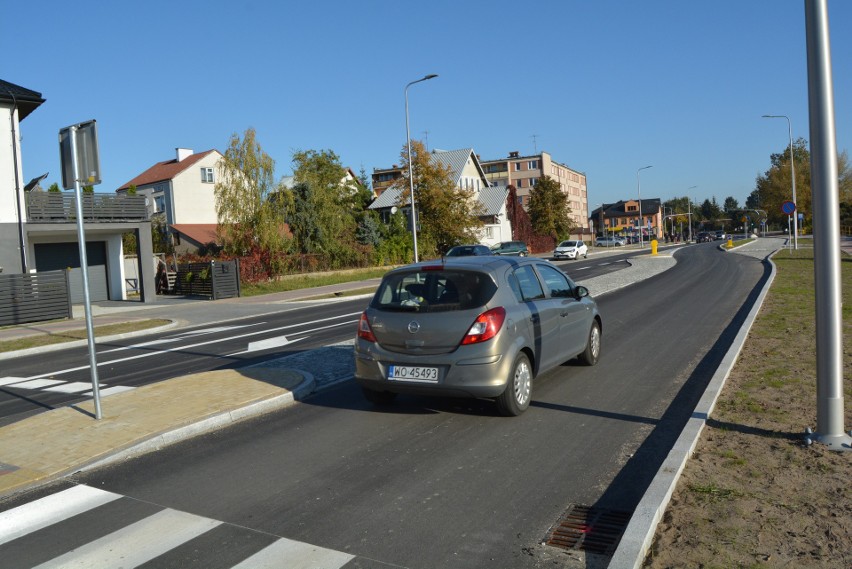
55 207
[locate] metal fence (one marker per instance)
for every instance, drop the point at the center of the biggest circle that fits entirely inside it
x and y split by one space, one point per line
214 279
55 207
34 297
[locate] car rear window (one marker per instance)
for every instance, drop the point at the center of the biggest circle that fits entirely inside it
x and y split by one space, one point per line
434 291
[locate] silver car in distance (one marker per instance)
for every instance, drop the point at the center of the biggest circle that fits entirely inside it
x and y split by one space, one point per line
473 327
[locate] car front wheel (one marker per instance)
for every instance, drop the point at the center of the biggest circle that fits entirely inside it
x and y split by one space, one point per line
592 353
516 398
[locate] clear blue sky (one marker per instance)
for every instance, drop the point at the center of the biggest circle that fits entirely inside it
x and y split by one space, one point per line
605 86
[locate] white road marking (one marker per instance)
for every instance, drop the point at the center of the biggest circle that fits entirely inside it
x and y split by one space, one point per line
182 336
49 510
137 543
12 380
37 383
189 346
295 555
73 387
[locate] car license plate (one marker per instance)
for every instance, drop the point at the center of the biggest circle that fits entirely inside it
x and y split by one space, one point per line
412 373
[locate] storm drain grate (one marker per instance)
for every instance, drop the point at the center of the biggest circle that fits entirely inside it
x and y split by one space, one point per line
596 530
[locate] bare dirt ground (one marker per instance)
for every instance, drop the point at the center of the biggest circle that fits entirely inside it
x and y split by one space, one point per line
754 494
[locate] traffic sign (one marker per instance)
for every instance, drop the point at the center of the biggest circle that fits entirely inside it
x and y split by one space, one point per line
788 207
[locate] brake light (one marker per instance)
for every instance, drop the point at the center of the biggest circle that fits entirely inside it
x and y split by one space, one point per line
365 332
485 326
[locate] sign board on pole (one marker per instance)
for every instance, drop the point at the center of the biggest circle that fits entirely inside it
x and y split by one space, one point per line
788 207
88 161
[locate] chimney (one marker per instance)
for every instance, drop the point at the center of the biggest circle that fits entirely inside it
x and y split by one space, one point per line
183 153
514 154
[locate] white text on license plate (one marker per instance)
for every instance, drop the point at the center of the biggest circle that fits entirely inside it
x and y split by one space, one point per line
412 373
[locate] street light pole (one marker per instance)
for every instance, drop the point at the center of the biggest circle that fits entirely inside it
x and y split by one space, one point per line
793 176
639 190
410 171
689 210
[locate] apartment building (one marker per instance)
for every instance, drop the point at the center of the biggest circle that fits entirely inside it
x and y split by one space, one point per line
524 172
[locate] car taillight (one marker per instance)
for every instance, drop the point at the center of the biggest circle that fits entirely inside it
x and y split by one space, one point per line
364 330
485 326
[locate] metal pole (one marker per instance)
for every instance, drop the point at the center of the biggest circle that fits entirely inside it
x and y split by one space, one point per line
410 171
639 191
689 210
792 176
824 185
84 269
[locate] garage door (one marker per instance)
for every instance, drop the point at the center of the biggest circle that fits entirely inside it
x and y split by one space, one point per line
53 256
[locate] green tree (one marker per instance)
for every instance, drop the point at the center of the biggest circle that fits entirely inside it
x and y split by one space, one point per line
248 220
447 214
550 212
54 188
325 196
731 204
774 186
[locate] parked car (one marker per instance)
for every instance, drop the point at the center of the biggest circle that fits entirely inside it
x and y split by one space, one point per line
518 248
481 327
571 250
720 235
610 241
467 251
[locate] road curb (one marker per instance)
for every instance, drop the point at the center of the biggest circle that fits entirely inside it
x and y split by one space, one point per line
640 531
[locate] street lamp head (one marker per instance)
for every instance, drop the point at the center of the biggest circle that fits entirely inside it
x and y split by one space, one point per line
430 76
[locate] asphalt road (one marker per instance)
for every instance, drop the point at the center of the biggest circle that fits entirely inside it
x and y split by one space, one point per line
446 483
131 363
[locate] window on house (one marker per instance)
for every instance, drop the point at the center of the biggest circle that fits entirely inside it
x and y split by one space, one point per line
532 165
159 204
207 175
533 182
517 166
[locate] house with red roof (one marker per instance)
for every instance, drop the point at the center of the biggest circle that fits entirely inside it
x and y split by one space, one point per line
181 191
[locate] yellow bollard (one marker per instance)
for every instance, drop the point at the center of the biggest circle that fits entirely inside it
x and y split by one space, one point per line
654 243
730 243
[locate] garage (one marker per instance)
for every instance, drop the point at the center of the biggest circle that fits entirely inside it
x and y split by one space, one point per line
55 256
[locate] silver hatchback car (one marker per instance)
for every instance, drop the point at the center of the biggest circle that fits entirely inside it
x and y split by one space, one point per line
473 327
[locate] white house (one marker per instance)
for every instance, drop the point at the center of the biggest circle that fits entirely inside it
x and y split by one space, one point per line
38 230
181 190
466 173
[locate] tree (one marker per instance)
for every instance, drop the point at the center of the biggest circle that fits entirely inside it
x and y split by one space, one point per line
731 204
248 220
447 214
326 198
54 188
549 210
774 187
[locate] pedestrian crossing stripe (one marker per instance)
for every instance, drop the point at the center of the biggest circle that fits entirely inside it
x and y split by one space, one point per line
146 539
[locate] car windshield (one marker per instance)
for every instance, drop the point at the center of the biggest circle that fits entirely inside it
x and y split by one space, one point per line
568 244
434 291
461 251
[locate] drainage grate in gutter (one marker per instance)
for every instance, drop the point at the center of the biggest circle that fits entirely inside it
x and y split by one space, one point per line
585 528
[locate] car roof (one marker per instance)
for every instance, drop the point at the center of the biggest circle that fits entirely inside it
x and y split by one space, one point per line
490 263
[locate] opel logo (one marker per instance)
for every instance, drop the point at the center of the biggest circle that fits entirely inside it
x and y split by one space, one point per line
413 326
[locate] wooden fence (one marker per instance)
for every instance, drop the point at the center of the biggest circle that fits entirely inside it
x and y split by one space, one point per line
34 297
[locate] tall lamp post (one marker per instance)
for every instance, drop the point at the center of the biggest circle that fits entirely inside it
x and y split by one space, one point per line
792 176
689 210
639 190
410 174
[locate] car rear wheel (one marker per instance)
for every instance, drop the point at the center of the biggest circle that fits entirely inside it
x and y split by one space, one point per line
592 353
516 398
378 397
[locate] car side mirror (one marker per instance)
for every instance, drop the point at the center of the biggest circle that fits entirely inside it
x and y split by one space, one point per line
580 292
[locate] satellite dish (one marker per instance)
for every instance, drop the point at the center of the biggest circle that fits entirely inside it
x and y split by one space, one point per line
394 209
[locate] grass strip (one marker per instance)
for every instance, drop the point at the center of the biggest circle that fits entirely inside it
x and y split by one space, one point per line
79 334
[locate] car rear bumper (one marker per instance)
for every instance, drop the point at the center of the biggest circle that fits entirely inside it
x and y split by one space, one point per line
481 375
